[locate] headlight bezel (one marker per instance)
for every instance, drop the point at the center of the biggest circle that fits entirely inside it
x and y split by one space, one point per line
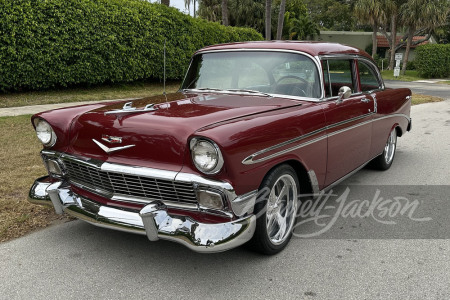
219 162
52 139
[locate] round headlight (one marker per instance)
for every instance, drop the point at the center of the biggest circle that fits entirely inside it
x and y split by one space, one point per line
206 156
45 132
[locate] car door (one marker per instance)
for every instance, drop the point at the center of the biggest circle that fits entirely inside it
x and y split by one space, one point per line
349 125
372 86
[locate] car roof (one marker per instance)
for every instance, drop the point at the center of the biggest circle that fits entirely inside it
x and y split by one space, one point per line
309 47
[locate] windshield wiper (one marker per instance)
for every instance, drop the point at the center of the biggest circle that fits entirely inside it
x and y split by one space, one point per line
253 92
204 89
250 91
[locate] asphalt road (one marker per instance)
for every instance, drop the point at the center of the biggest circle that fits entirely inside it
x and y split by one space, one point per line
79 261
424 88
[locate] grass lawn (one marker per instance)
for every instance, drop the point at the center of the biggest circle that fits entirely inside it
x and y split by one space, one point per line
21 165
420 99
103 92
411 75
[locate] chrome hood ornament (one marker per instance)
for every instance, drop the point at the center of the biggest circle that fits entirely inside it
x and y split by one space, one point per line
128 108
111 150
112 139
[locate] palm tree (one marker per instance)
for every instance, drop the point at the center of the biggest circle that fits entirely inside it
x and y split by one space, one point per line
187 5
268 19
195 8
421 16
241 13
371 12
247 13
225 20
210 10
302 28
391 8
281 19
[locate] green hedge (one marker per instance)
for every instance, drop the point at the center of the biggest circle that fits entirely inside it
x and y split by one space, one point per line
53 43
433 60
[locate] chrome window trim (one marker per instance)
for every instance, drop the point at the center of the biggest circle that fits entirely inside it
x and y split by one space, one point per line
249 159
313 58
353 66
358 58
374 68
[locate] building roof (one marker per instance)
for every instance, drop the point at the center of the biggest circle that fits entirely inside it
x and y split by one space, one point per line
382 42
311 48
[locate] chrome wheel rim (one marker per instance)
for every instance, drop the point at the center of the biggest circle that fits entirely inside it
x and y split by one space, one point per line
281 209
389 149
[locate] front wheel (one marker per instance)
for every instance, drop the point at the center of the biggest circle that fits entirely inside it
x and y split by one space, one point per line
385 159
276 210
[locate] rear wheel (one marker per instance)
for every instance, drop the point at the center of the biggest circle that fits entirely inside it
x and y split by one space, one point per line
385 159
276 209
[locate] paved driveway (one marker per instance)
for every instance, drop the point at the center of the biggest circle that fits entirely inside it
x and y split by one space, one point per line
79 261
425 88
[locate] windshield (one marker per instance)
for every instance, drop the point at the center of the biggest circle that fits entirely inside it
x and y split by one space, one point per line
271 72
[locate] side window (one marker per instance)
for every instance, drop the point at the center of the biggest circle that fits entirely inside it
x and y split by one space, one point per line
367 77
340 74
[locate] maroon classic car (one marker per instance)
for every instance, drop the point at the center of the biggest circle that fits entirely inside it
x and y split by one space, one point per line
224 161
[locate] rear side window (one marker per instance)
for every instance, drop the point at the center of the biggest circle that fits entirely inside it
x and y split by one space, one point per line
337 73
368 78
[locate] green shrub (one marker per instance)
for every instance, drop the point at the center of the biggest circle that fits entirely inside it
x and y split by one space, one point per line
53 43
433 60
410 65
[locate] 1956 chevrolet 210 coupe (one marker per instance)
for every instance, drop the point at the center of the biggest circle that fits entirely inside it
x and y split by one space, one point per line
288 118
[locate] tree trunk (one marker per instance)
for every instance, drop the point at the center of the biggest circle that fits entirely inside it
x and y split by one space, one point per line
165 2
224 12
408 46
195 10
281 19
374 40
393 41
268 19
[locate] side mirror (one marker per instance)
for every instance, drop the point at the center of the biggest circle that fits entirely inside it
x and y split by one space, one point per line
344 93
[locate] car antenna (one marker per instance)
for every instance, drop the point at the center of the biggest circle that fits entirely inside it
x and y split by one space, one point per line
164 76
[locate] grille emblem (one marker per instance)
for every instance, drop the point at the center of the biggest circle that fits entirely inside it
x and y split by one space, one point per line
112 139
110 150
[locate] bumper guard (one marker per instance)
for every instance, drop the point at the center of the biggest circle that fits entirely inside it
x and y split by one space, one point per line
153 220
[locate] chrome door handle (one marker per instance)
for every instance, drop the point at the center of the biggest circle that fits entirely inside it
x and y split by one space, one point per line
365 100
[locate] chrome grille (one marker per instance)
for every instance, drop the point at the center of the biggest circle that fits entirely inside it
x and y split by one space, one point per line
129 185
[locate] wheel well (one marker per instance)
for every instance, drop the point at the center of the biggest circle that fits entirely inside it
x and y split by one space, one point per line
399 131
302 175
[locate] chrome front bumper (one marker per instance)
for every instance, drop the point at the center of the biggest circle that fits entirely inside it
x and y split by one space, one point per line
153 220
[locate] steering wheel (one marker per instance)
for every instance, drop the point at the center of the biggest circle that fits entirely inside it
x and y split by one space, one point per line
296 91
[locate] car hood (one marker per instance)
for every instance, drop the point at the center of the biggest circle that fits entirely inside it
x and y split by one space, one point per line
160 137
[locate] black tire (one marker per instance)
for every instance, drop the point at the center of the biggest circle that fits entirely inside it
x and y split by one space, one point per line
266 207
385 159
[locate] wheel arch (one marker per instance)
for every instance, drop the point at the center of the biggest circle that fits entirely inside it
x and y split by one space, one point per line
398 130
304 179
